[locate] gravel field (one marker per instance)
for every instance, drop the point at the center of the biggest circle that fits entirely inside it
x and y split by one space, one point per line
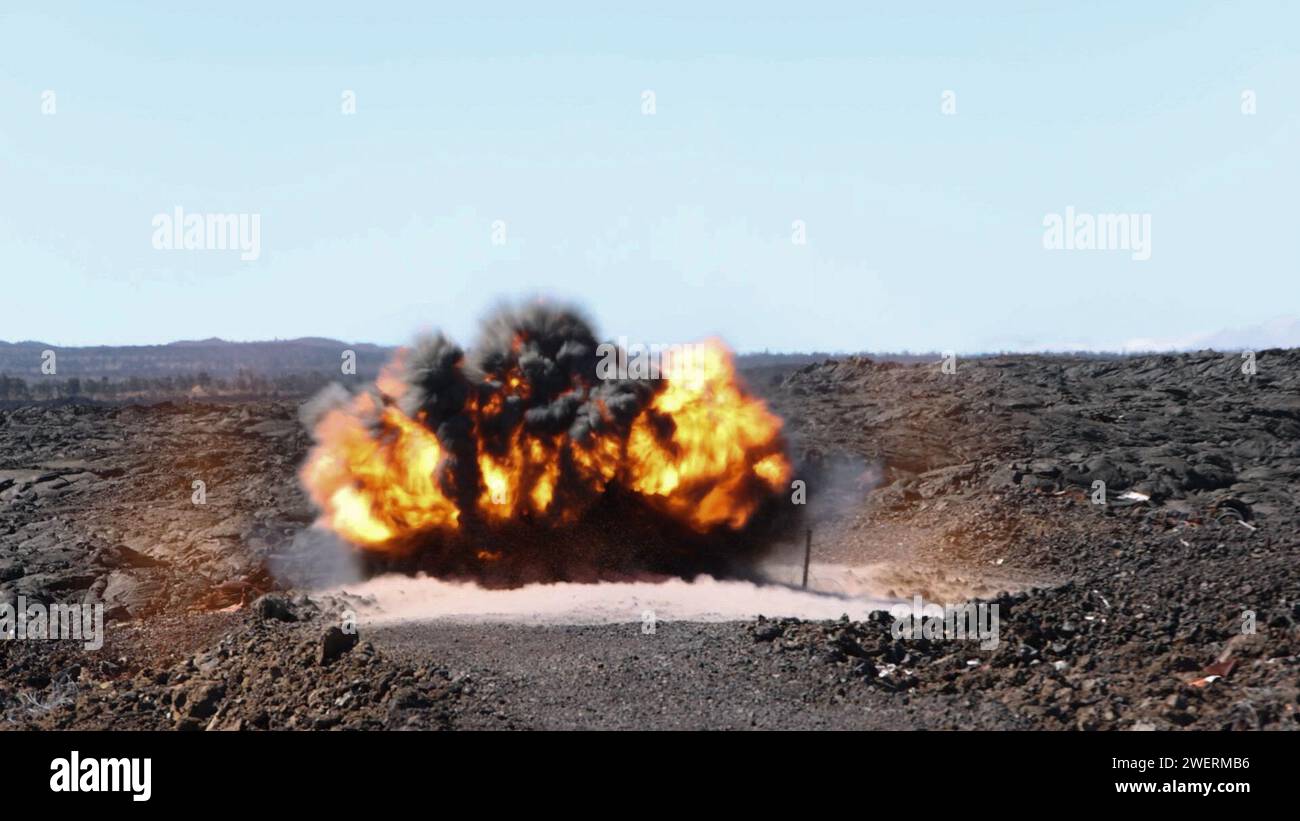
974 485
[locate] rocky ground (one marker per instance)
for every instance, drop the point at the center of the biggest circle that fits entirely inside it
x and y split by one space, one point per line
185 522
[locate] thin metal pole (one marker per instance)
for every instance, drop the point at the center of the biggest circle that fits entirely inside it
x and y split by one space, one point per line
807 554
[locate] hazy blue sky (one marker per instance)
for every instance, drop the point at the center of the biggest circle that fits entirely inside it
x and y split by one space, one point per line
924 230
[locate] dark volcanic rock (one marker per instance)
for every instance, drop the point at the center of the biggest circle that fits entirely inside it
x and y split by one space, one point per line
10 570
335 643
199 699
274 606
978 481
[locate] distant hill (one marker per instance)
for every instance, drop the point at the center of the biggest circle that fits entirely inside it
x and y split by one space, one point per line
221 359
215 357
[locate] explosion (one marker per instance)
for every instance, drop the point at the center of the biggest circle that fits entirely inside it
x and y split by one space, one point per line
451 456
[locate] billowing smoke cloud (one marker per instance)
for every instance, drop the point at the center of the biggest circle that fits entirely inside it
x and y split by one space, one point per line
536 367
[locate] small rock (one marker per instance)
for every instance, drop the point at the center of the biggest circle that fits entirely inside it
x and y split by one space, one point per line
10 570
408 698
199 699
335 643
272 607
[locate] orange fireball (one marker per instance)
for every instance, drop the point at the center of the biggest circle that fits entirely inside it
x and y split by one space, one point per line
699 449
722 442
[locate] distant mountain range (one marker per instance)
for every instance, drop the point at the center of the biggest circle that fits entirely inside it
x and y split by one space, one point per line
221 359
216 357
